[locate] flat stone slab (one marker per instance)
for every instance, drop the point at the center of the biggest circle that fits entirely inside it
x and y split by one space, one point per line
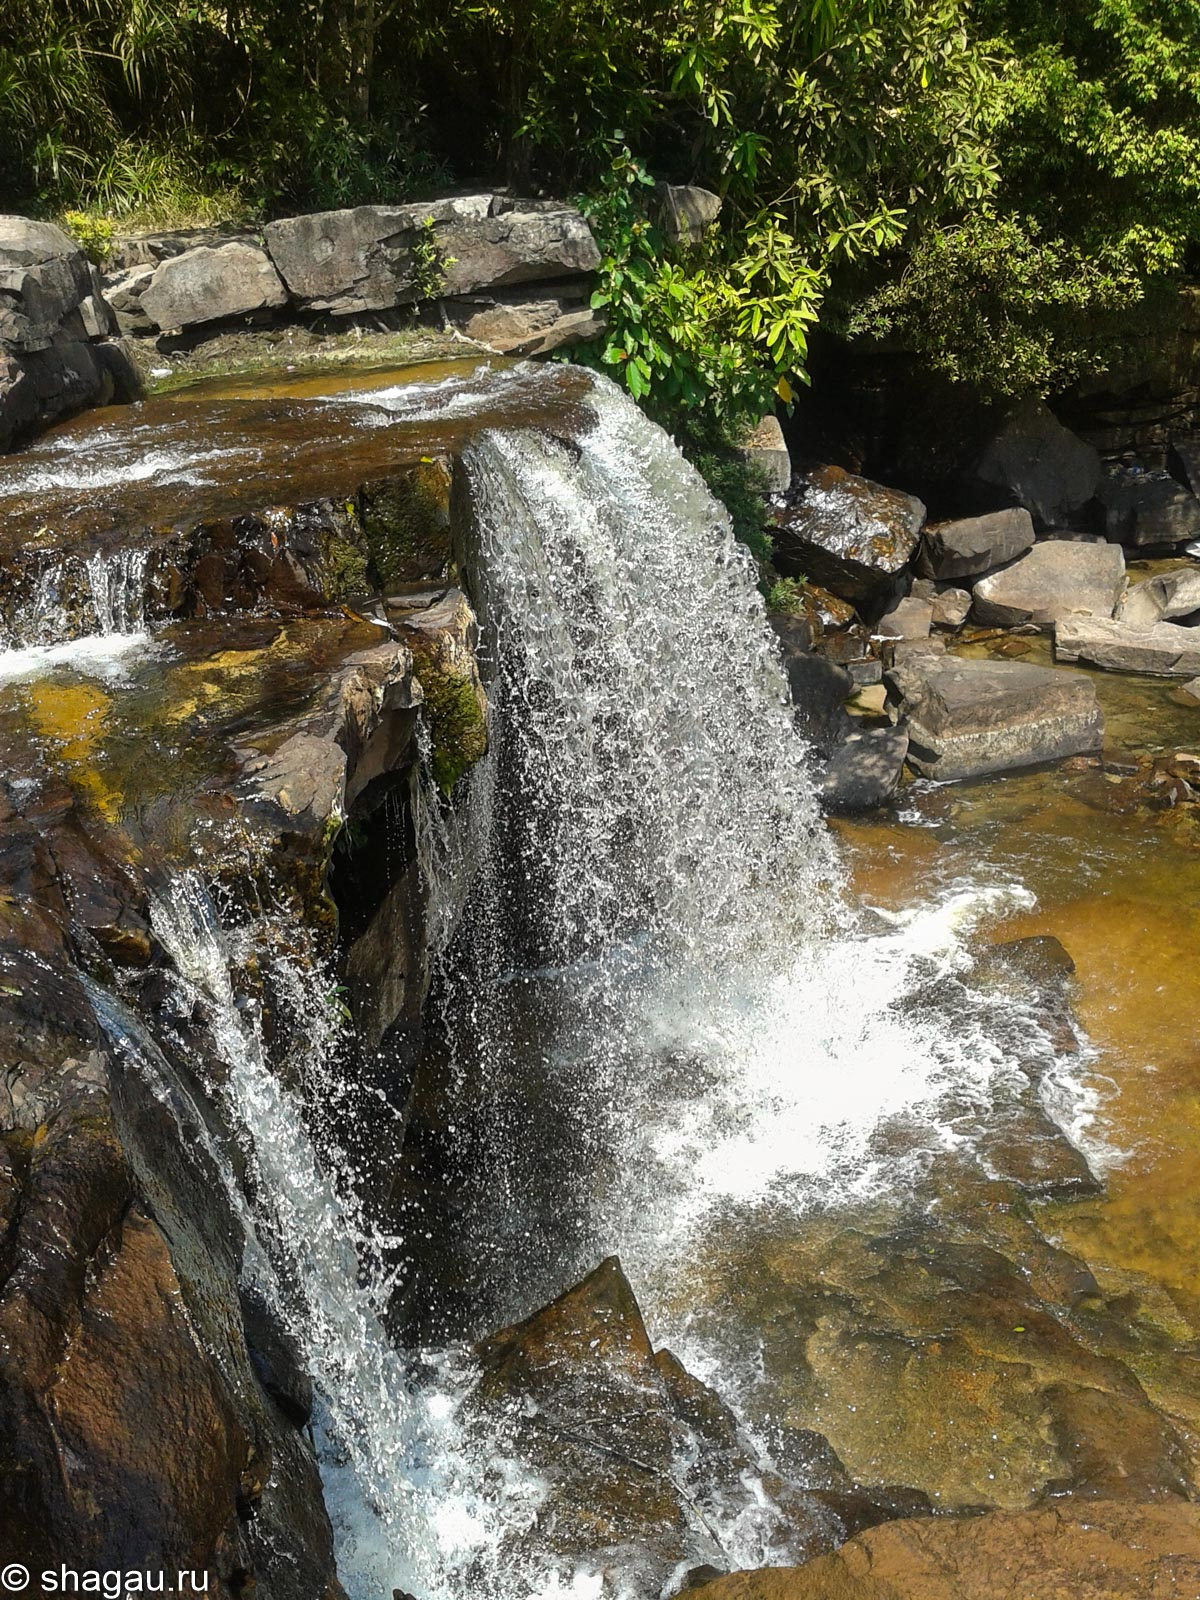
969 718
1056 578
1163 651
972 546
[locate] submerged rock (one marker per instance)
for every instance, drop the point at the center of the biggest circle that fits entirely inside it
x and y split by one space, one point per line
1092 1550
848 534
968 718
1056 578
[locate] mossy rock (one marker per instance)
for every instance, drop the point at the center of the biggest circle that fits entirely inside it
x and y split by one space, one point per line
442 641
406 523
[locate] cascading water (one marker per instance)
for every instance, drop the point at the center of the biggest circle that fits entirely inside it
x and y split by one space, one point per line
657 954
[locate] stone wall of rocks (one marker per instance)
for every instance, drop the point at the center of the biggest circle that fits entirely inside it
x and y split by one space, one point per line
58 347
511 274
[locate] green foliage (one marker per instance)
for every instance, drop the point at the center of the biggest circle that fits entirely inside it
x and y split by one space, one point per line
713 448
1096 130
787 595
94 233
709 327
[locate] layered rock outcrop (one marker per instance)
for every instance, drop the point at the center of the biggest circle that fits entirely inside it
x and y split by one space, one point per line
57 350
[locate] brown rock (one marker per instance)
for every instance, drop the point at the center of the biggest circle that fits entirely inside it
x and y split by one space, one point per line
1093 1551
847 534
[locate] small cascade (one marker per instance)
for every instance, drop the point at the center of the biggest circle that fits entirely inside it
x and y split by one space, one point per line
118 585
86 614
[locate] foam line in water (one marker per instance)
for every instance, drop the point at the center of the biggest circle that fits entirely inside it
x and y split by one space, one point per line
103 655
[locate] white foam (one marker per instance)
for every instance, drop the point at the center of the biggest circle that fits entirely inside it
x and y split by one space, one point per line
103 655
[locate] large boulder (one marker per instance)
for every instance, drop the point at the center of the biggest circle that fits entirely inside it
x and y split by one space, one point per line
1056 578
210 284
972 546
1031 460
1084 1549
367 259
1164 650
1162 599
848 534
1148 508
968 718
1184 459
54 327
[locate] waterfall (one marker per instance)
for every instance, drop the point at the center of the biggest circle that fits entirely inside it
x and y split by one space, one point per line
118 585
659 1004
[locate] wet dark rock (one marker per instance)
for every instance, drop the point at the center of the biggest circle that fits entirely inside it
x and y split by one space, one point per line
636 1453
442 640
1148 508
974 545
849 535
1055 580
1165 650
133 1433
1032 461
864 772
1088 1550
967 718
210 285
819 689
1116 1447
406 523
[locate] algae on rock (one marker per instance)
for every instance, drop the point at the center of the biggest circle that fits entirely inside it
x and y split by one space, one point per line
442 640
